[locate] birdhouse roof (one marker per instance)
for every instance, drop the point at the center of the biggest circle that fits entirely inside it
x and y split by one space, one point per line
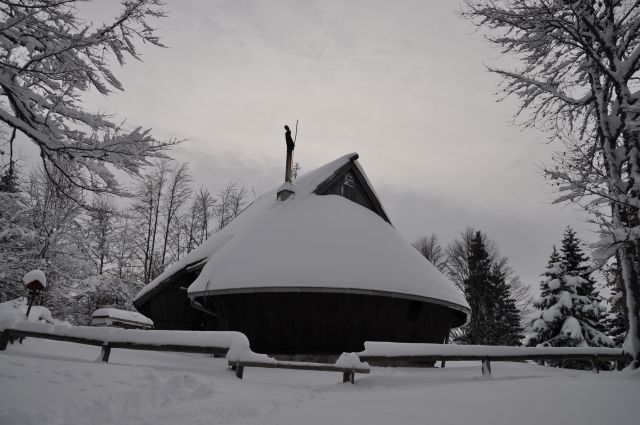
33 276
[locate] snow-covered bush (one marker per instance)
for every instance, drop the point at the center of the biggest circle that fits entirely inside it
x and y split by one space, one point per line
16 310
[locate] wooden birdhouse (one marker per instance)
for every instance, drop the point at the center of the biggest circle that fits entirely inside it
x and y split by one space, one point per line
35 281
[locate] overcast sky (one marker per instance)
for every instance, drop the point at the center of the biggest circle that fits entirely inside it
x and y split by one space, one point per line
402 83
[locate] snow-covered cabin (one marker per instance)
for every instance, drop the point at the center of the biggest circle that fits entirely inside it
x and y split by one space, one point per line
313 266
120 319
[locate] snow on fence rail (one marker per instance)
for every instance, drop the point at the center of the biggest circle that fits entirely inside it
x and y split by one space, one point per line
216 342
376 351
234 344
348 364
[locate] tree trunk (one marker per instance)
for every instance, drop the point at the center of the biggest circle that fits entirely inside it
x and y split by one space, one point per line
632 290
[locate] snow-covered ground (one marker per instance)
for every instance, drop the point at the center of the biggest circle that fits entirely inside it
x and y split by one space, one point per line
50 382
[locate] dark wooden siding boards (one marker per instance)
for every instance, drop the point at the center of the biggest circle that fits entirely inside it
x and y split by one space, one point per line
327 323
171 307
352 190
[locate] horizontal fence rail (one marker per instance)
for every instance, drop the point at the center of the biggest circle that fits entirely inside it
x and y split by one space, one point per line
110 338
389 353
348 373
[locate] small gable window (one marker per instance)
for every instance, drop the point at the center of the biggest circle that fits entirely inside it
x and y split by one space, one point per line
349 189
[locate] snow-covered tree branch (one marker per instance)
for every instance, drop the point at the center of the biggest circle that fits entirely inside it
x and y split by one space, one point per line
49 57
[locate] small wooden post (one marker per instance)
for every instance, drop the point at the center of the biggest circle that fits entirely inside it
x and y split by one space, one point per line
105 353
4 341
345 376
353 376
486 367
594 364
443 362
239 370
31 300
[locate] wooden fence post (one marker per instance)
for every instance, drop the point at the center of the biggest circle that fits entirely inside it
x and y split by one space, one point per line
105 353
486 367
4 341
239 370
443 362
594 364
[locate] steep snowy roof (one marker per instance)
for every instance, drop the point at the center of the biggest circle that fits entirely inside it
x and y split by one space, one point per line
313 242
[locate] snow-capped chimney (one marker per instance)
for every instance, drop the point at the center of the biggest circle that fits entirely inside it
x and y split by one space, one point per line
285 191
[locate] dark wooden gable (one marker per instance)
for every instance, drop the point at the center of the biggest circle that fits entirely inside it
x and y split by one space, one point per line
348 182
179 281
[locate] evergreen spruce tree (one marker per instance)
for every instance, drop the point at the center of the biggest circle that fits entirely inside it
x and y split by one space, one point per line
588 311
573 262
506 328
570 311
476 290
545 326
495 320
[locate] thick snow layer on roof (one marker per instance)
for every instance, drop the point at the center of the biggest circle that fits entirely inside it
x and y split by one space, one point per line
128 316
34 275
310 241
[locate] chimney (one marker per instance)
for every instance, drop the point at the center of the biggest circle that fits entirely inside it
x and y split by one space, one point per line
285 191
287 171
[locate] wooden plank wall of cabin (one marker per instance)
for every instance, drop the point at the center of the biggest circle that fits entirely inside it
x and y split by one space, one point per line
325 323
171 308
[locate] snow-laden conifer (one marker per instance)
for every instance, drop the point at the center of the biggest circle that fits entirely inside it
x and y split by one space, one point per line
566 318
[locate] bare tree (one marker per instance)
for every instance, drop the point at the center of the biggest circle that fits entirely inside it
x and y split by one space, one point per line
178 192
430 248
124 244
54 214
146 210
159 181
202 212
580 64
48 58
142 210
99 225
231 201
